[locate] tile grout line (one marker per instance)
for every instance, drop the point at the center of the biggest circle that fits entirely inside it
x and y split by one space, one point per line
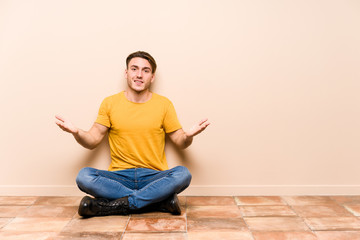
126 225
302 219
353 214
13 218
186 220
322 230
286 203
62 230
242 217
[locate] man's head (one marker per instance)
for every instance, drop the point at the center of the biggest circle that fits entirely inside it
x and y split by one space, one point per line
144 55
140 71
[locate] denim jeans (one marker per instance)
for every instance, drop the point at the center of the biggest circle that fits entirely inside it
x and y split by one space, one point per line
142 186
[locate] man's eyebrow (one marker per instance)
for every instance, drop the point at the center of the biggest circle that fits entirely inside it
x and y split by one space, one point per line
136 66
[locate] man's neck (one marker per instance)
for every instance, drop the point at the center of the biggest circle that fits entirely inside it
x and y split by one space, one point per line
138 97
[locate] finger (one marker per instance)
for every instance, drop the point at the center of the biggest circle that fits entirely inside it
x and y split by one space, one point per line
204 125
60 118
202 121
60 123
63 128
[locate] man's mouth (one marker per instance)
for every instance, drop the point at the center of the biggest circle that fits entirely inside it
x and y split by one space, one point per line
139 82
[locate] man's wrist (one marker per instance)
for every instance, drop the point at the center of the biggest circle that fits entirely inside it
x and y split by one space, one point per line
188 135
76 132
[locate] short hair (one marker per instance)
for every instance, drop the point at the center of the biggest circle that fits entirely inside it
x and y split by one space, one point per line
144 55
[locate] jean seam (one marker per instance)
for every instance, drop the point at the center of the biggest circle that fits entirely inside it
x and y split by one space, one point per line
153 182
161 174
135 179
111 176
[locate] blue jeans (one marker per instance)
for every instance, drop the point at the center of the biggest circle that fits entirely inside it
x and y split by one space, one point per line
142 186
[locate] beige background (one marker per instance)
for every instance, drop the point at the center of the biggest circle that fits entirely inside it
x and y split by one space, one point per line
279 81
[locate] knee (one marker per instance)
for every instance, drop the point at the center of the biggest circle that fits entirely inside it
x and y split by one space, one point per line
184 173
84 177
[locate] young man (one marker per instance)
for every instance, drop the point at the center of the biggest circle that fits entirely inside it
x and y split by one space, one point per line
136 121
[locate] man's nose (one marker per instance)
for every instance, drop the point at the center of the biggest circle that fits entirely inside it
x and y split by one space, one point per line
139 74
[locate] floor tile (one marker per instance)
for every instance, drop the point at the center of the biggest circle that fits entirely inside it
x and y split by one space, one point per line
269 217
210 201
333 223
259 200
308 200
266 211
11 211
37 224
347 199
321 211
88 236
215 224
155 236
160 214
354 209
234 235
156 225
58 201
182 200
213 212
48 211
97 224
17 201
19 235
284 236
5 221
338 235
276 224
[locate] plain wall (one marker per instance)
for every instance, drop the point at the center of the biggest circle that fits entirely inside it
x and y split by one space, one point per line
279 81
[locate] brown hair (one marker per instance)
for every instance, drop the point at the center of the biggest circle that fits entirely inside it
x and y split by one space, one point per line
144 55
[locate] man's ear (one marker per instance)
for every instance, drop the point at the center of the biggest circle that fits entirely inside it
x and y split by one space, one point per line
153 78
125 73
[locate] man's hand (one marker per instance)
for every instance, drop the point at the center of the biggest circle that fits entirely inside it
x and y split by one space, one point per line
88 139
66 125
184 139
198 128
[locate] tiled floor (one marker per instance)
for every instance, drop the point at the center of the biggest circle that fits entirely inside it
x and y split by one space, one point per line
247 218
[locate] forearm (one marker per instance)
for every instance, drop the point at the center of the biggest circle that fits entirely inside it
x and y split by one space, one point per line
85 139
186 141
181 139
88 139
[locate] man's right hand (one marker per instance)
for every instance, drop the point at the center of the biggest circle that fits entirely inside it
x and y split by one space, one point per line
88 139
66 125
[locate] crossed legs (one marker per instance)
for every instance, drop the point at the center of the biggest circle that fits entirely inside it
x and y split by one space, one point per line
141 186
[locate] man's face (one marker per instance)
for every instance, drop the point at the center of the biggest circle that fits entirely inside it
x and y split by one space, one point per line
139 74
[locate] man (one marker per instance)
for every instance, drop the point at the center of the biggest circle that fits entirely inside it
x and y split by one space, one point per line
136 121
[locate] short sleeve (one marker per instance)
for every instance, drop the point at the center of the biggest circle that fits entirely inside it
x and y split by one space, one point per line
171 121
103 117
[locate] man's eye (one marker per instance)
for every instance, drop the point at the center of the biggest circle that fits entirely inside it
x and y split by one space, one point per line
133 69
147 71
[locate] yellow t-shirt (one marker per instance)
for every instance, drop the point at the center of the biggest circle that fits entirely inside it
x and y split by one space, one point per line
137 131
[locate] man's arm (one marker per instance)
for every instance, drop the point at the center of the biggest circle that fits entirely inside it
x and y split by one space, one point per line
88 139
184 139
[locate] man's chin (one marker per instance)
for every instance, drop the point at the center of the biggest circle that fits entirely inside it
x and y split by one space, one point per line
140 89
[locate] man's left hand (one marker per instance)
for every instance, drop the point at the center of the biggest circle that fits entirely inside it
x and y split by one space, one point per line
198 128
